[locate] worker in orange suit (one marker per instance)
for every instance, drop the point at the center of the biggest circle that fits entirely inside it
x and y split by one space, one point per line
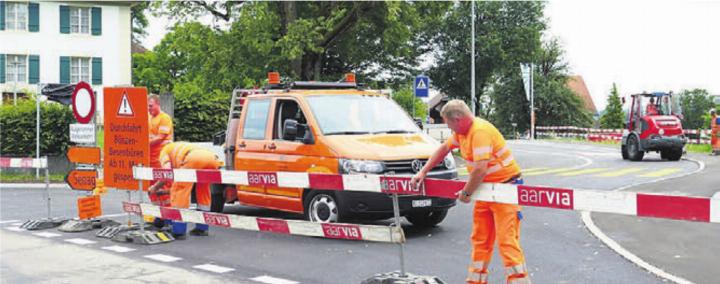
488 160
715 132
160 134
184 155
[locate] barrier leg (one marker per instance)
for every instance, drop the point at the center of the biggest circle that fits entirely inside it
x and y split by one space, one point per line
396 209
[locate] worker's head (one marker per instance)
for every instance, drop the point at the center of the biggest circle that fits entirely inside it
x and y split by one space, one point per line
457 116
154 104
713 112
652 100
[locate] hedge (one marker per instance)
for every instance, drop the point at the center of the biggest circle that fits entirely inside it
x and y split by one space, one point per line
17 128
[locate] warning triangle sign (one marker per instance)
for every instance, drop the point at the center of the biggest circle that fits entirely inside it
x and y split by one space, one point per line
125 108
421 85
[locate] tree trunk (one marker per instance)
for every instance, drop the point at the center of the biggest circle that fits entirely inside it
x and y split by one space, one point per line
289 14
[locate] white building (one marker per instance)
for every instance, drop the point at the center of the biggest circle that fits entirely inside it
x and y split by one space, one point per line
63 42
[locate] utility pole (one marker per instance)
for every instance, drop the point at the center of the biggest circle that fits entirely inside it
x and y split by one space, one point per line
472 60
532 103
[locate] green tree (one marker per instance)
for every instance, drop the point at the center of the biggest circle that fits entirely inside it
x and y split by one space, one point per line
139 20
695 103
614 116
406 98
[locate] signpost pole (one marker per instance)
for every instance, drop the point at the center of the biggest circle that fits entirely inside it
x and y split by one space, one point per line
47 187
396 210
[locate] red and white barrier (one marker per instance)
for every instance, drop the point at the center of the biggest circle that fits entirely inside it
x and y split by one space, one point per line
595 134
29 163
700 209
291 227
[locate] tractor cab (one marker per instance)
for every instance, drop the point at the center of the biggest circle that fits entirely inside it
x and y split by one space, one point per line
653 124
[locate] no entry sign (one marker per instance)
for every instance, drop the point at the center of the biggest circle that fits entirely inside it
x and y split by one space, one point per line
83 102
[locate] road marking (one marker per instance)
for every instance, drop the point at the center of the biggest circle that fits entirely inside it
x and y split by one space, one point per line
118 249
16 229
47 234
213 268
660 173
17 224
582 172
550 171
273 280
529 170
79 241
162 257
9 221
620 172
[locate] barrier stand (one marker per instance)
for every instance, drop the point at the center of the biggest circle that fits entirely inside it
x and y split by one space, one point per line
49 222
136 233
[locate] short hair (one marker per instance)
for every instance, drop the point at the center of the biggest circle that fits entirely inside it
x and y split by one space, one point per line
455 109
712 112
154 97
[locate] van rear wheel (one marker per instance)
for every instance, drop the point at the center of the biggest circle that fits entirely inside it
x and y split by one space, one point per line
322 207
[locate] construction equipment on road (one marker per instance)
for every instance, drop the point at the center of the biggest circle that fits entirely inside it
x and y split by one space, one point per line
653 125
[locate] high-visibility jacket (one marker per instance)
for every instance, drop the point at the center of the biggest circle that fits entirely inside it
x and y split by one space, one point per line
484 142
159 125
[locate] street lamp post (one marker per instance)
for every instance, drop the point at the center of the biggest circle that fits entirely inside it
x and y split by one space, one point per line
472 60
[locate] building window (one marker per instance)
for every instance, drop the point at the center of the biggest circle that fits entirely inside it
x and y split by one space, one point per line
12 98
16 68
16 16
79 69
79 20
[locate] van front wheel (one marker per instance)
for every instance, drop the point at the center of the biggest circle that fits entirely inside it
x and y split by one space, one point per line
322 207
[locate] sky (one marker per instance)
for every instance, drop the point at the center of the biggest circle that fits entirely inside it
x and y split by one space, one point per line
639 45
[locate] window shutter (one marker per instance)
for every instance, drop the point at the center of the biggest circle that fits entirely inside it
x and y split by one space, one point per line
97 71
34 69
64 70
96 21
34 17
64 19
2 68
2 23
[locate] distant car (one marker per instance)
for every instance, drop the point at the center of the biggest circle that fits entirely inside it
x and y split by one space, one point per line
653 125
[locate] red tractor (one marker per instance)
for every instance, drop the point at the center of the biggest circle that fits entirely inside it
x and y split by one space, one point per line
653 125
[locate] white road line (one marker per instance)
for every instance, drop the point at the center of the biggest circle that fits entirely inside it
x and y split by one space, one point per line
587 219
118 249
213 268
16 224
9 221
79 241
162 257
47 235
16 229
273 280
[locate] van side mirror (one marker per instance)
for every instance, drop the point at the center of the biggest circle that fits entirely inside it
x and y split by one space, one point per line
290 129
419 123
307 137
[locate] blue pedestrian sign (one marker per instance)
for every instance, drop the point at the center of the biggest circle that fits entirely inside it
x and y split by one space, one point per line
422 86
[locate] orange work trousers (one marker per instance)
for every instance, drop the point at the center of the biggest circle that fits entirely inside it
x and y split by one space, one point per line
715 139
197 159
496 221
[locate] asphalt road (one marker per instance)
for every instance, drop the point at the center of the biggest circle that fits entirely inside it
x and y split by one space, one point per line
558 247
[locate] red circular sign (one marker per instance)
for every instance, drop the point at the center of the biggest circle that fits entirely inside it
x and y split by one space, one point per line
83 102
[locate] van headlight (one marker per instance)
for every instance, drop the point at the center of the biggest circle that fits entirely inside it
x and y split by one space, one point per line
449 161
361 166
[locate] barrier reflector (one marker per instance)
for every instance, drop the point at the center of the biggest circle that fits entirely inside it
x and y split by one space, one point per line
673 207
170 213
326 181
272 225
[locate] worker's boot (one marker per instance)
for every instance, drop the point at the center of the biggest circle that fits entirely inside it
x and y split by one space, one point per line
200 230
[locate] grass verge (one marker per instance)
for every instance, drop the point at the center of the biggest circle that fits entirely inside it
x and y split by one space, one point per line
27 178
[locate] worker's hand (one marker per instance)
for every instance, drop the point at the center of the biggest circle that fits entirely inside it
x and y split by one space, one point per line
463 196
417 180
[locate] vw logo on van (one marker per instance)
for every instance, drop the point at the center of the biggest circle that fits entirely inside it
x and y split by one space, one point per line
416 165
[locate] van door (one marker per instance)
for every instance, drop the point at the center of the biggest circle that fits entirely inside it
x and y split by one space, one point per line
250 148
288 155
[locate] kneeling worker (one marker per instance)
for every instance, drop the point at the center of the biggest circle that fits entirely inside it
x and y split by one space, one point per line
183 155
488 160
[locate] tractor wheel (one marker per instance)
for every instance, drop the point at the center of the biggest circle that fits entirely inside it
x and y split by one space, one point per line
634 153
674 154
624 151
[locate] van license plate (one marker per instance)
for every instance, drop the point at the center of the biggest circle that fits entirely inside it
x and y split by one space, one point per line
422 203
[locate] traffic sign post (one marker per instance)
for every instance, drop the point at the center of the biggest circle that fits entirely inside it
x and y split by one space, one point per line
126 135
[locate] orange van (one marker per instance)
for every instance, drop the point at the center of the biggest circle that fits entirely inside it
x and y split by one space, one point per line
337 128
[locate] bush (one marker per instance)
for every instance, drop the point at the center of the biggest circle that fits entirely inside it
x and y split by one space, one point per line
17 130
199 114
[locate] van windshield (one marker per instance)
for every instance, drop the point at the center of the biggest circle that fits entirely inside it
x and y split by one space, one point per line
357 115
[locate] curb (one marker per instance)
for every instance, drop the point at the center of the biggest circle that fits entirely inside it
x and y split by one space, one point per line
590 225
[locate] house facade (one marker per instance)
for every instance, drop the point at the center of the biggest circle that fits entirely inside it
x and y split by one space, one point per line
63 42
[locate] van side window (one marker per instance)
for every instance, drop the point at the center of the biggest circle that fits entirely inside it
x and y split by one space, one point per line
284 110
256 119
